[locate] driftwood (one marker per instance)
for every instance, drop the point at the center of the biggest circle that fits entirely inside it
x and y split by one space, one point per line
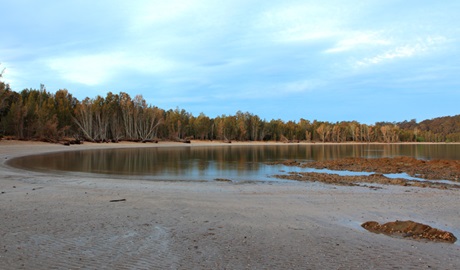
149 141
118 200
68 142
222 180
283 139
186 140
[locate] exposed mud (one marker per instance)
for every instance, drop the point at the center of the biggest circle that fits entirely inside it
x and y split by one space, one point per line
426 169
432 170
410 229
355 180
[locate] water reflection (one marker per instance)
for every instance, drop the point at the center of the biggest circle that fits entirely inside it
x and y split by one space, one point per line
207 163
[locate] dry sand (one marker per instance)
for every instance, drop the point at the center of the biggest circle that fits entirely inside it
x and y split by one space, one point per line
48 221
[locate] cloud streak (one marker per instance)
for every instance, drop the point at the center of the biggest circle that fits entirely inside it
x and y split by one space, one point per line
97 69
419 48
359 40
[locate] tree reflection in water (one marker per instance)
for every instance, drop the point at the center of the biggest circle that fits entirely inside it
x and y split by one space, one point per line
207 163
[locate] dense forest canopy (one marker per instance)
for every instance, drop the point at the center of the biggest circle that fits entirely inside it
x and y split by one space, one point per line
40 115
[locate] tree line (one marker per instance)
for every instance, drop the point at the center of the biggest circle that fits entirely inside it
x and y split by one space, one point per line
36 114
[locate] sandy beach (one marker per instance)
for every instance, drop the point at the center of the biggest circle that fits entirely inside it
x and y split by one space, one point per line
77 222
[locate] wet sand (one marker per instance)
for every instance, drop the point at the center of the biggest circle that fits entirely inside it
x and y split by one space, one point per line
51 221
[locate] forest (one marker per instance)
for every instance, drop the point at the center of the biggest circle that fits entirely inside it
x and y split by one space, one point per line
36 114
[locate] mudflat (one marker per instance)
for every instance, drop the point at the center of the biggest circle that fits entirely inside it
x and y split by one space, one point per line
57 221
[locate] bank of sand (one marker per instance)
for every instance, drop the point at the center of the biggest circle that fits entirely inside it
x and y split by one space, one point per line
51 221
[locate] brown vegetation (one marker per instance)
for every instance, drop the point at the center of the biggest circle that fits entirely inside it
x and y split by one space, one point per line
355 180
410 229
426 169
433 170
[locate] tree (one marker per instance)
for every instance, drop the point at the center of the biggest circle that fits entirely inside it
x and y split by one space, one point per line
84 118
16 116
64 104
230 128
366 133
336 133
202 126
101 119
48 123
116 128
353 130
218 127
241 126
275 129
178 124
5 103
323 131
147 119
289 130
386 133
304 130
255 126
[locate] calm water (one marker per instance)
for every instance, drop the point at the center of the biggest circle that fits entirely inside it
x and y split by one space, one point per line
237 163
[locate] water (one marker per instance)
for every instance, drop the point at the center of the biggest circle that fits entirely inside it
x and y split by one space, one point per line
236 163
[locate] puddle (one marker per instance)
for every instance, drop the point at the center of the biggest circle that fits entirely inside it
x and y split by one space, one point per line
353 173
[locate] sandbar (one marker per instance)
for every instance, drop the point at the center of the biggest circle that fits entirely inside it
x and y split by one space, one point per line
51 221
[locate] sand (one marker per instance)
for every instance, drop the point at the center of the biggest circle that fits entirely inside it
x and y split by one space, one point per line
51 221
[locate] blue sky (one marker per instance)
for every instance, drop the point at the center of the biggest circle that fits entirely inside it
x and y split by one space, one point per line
326 60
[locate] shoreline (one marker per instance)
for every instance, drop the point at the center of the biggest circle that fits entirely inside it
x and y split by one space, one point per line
9 147
49 221
209 142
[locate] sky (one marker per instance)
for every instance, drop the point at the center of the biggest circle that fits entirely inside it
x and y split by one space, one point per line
326 60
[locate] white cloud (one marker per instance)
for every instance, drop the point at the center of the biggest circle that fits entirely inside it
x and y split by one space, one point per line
304 22
5 74
416 48
12 75
357 40
97 69
89 69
